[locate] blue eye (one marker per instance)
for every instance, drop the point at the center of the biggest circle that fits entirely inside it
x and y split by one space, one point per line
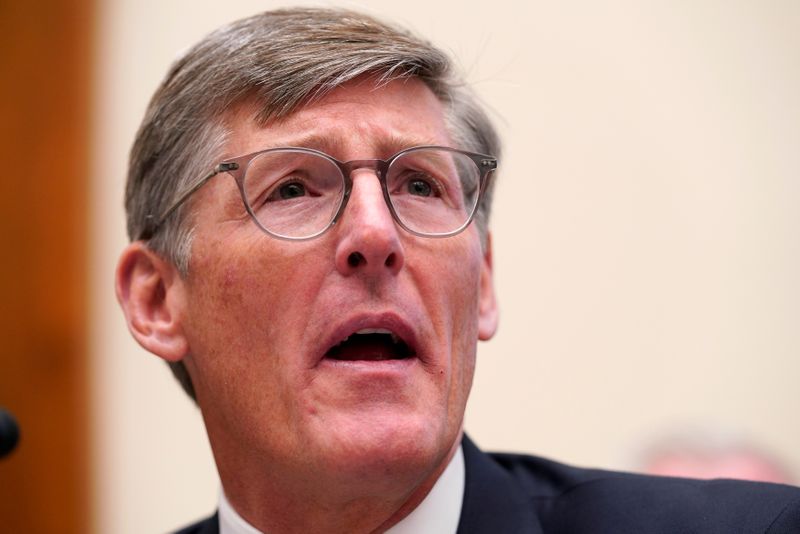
288 191
420 188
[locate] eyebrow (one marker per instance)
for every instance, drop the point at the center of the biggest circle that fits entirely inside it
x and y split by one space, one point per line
317 141
396 143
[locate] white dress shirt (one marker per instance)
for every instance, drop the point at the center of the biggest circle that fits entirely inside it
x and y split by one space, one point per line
438 513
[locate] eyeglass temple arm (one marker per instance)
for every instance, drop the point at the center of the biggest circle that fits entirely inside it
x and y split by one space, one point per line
222 167
487 164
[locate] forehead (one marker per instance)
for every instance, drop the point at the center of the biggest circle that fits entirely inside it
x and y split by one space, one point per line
360 119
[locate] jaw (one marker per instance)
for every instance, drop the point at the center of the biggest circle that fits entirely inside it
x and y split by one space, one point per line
367 497
384 454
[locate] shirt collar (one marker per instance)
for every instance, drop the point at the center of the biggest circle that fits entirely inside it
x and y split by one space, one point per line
438 513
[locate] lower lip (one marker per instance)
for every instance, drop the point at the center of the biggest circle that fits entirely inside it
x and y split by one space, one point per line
369 366
364 384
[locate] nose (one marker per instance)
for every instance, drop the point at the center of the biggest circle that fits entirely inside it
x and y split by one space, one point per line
369 240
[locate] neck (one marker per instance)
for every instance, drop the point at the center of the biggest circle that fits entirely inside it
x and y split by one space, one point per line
325 506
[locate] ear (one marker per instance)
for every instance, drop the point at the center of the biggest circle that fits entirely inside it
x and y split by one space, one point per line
487 309
151 293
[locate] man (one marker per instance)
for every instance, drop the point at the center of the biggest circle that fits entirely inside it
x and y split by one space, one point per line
308 201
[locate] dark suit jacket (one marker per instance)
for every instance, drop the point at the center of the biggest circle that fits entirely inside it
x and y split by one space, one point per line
517 494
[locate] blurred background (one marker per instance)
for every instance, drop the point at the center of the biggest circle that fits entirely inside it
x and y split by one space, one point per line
646 235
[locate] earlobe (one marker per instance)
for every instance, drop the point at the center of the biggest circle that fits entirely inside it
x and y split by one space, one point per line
150 292
487 310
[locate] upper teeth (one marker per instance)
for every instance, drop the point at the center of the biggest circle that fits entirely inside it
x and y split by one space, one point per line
373 331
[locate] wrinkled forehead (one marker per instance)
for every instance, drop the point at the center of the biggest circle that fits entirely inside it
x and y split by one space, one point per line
385 117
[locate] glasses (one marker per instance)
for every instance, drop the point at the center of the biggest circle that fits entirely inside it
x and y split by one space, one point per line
299 193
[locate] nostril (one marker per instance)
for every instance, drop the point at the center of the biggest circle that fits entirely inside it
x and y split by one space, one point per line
390 261
355 259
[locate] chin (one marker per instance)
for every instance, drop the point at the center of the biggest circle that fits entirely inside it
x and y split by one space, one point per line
396 446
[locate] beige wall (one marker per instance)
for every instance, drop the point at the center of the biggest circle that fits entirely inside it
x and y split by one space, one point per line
646 232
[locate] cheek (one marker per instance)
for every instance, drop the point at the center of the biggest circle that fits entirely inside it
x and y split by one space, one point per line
256 285
463 301
448 279
247 307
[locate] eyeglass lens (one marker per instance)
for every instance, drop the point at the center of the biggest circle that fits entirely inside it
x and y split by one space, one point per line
296 194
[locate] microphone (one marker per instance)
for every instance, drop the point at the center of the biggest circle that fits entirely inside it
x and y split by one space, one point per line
9 432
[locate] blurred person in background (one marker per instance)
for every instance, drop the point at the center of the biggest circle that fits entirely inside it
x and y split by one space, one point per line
707 453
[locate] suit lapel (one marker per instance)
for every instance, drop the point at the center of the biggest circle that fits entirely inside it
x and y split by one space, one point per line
210 525
493 501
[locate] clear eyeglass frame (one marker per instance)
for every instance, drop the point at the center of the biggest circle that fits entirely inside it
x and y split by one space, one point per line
238 168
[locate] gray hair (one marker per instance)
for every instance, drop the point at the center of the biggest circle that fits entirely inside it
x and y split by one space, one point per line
280 60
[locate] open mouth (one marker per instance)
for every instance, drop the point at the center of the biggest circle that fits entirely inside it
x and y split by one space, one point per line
371 344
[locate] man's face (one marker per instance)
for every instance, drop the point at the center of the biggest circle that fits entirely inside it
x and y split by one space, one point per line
296 349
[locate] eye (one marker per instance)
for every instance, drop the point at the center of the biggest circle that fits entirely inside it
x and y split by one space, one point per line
420 187
288 190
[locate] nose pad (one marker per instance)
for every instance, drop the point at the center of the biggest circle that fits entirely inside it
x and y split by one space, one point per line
370 241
